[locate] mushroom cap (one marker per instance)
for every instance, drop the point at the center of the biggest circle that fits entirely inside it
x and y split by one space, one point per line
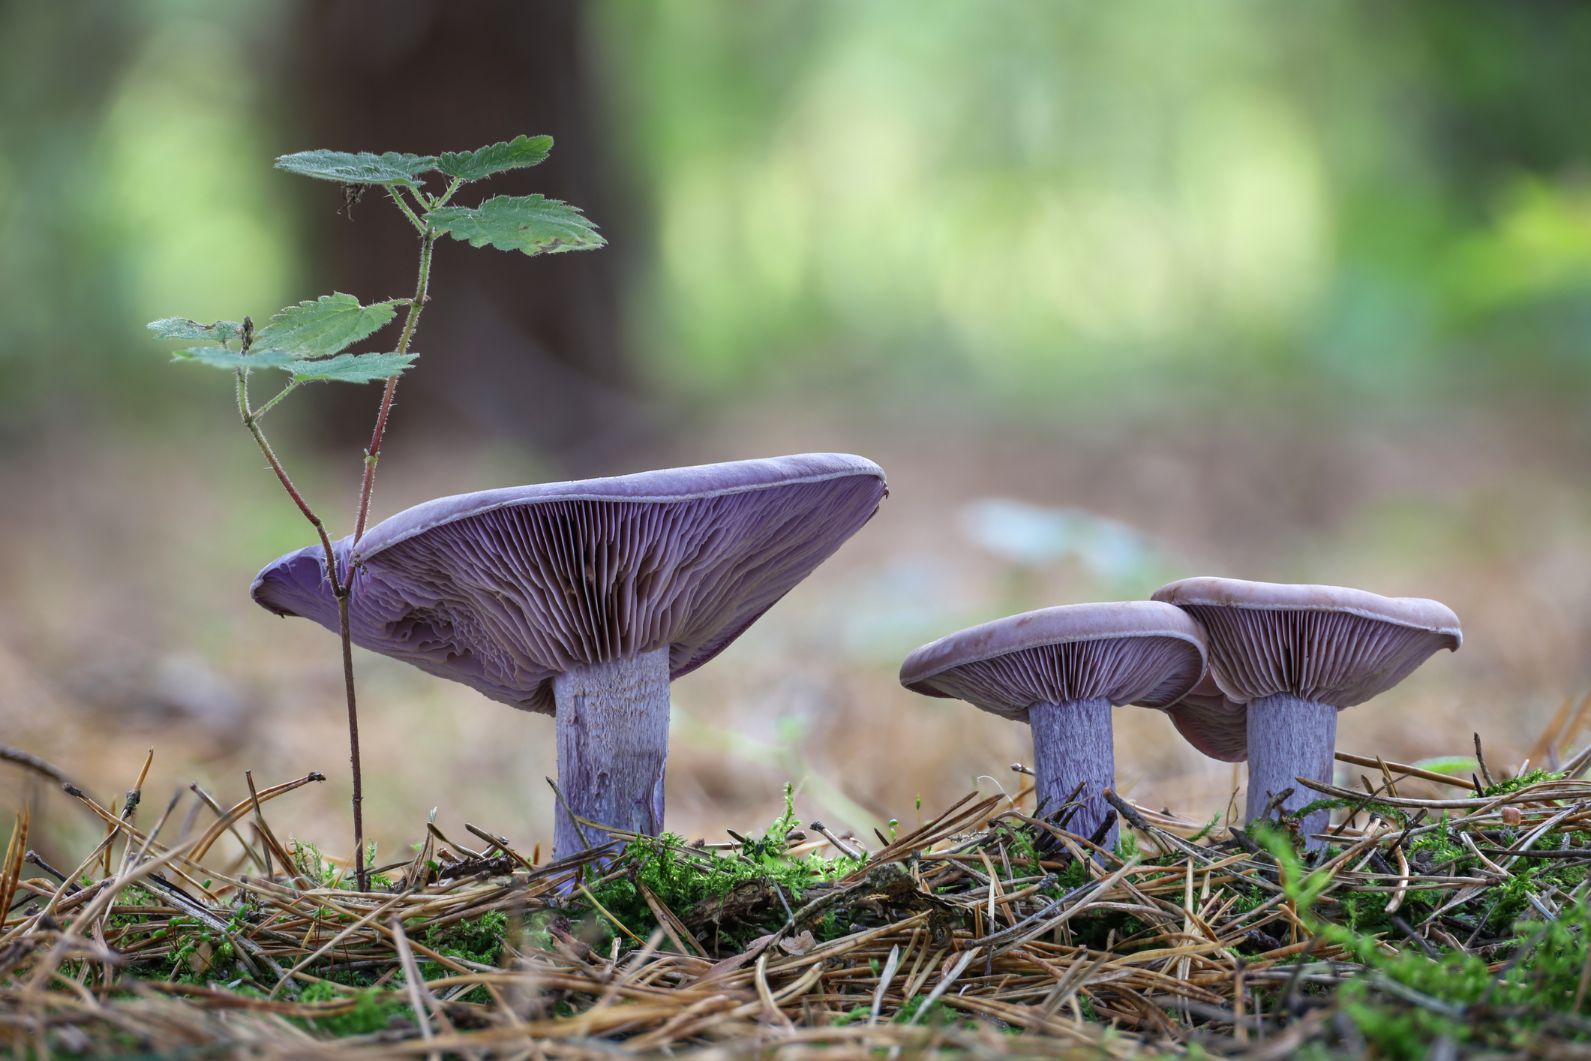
1328 644
1129 652
505 589
1210 722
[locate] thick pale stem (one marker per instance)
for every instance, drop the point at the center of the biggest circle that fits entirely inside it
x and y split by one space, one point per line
612 748
1289 738
1072 746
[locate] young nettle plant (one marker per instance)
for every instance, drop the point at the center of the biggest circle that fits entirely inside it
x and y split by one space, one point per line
310 342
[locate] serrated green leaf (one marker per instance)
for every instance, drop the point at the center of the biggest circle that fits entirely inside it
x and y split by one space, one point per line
531 224
322 327
363 167
184 330
351 368
518 153
232 360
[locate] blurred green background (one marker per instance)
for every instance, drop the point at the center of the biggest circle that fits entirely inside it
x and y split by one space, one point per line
1116 293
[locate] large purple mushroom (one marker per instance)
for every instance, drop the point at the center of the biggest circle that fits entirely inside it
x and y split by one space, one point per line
1284 660
585 599
1060 670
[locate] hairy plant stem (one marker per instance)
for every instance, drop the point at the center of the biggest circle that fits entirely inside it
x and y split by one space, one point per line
408 212
251 420
389 392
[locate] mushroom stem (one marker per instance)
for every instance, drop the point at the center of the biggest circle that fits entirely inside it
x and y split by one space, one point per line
1072 746
612 747
1289 738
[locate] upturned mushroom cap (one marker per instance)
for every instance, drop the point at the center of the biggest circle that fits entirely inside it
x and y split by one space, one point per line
1130 652
1327 644
505 589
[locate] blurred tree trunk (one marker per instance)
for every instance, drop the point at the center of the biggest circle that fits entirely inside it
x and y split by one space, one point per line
513 347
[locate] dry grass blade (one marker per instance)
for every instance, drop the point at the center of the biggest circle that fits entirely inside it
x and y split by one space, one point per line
11 868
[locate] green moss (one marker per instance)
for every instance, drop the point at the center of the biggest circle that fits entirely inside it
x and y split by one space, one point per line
131 896
936 1015
1364 912
682 877
1431 997
1385 811
309 862
373 1010
1127 845
478 940
1524 780
1021 849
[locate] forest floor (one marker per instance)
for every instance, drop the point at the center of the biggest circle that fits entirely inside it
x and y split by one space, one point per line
1442 913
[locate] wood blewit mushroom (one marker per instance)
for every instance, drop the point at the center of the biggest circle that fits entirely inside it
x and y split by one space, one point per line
585 599
1210 722
1060 670
1284 660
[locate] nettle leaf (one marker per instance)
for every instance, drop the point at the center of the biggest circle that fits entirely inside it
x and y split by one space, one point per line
390 168
532 224
518 153
184 330
322 327
232 360
351 368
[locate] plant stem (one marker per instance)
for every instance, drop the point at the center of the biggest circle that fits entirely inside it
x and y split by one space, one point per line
259 414
403 205
251 420
373 451
344 586
361 875
447 194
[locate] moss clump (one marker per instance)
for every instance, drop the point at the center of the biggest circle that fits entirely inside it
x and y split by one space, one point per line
309 862
373 1011
130 897
477 940
682 878
1524 780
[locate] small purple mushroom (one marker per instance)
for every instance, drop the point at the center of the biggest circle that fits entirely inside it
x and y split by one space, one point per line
1284 660
1060 670
585 599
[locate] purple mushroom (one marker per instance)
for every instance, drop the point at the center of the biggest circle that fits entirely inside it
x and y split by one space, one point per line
1060 670
1284 660
1210 722
585 599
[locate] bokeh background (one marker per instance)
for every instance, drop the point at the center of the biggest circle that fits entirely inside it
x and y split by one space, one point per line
1116 293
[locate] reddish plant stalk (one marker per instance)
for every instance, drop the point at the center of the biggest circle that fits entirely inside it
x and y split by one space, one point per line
251 421
389 392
